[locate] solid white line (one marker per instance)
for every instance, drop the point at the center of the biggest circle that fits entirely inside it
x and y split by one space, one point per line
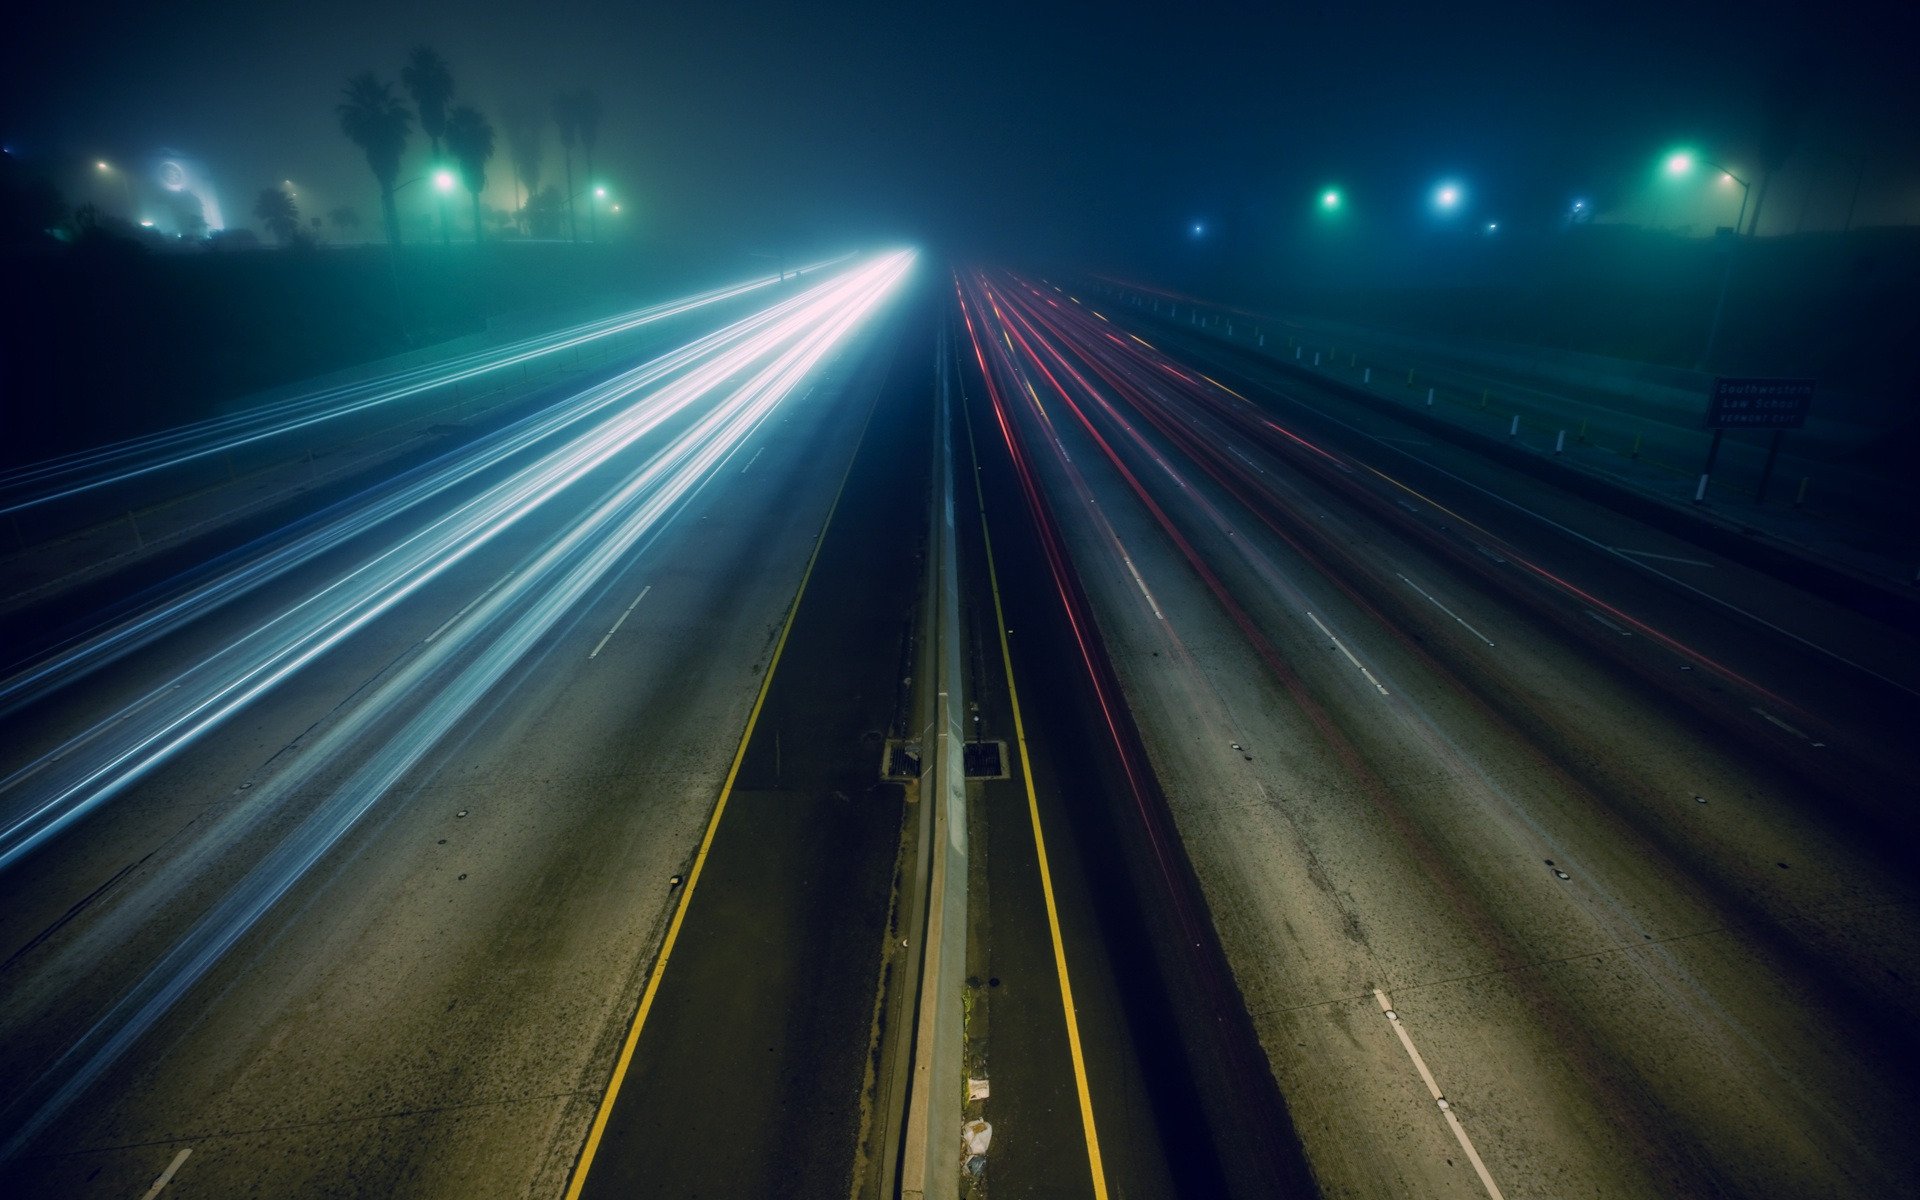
1433 1088
1443 608
1350 658
469 605
1692 562
622 621
166 1176
754 459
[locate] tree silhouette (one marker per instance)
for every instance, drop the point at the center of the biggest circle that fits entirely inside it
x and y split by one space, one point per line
373 118
545 212
470 141
524 148
567 117
279 214
586 115
430 83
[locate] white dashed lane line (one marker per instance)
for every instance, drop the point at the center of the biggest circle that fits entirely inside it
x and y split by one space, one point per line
622 621
1439 1098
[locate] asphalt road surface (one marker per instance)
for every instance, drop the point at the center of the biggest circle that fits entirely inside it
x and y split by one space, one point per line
383 929
1540 872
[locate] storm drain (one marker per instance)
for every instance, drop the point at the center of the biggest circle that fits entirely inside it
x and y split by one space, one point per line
901 760
985 760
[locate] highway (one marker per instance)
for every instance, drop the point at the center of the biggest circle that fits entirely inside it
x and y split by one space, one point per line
1539 873
510 813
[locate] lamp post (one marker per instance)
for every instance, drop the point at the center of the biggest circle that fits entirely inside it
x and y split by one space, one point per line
126 185
1681 162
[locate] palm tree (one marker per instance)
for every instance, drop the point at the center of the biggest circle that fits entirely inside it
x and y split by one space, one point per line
470 141
524 149
568 119
344 219
279 214
430 84
375 120
586 114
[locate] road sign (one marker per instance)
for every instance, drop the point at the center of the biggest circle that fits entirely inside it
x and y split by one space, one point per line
1759 403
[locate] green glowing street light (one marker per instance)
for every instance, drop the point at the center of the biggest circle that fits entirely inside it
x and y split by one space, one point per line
1682 162
443 179
1331 200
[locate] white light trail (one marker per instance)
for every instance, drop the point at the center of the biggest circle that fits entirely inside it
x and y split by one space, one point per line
34 680
90 470
97 764
484 645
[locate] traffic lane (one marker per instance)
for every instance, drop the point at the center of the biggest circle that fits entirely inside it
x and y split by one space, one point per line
1446 471
1041 1143
1316 890
1741 957
748 1073
191 481
392 1023
1438 780
172 813
304 701
1211 1096
1382 596
1823 700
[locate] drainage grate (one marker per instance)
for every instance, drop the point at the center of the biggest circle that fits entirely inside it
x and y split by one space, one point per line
986 760
901 760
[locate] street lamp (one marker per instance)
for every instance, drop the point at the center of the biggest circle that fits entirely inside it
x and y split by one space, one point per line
1681 163
1330 200
1448 196
443 179
126 185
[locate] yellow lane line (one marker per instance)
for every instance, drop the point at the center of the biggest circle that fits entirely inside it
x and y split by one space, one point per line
1039 837
599 1129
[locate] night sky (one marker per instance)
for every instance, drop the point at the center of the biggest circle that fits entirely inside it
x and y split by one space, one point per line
1019 128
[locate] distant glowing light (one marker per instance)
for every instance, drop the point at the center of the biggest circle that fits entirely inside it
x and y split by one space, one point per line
1679 162
600 192
1330 199
1447 197
1493 226
144 224
1726 177
616 208
1578 205
1199 230
103 166
443 180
